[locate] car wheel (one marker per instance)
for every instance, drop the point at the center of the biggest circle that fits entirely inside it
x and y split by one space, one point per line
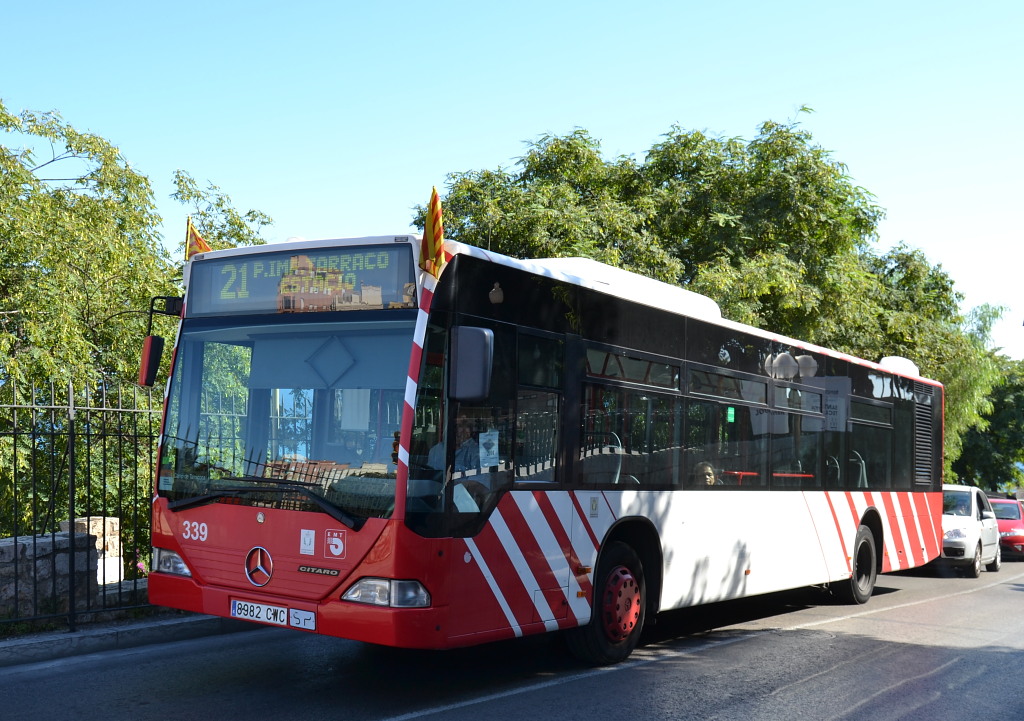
974 570
620 596
997 562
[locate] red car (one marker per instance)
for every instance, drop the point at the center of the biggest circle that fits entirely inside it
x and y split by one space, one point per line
1010 516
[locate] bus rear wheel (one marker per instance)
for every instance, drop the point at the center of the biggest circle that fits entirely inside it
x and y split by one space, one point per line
617 619
863 571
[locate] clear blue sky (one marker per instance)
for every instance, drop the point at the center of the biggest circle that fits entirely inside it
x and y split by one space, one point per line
335 118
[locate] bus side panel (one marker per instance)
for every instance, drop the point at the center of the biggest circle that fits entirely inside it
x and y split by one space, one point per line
908 528
929 513
725 545
520 574
836 522
915 525
904 547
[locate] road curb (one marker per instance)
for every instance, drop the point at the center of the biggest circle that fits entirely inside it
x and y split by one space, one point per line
34 648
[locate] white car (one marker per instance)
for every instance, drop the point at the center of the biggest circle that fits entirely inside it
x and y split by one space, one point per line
970 532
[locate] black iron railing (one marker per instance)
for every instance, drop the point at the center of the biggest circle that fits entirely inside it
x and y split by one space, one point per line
76 469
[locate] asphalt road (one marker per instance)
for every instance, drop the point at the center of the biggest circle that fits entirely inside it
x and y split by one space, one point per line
924 647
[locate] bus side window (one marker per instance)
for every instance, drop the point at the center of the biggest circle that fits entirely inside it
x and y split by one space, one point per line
537 422
732 438
796 450
628 437
869 460
540 363
601 448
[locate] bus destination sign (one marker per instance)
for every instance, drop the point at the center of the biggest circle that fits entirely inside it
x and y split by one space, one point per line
303 281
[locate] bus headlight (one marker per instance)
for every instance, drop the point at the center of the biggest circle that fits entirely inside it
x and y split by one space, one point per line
165 561
388 592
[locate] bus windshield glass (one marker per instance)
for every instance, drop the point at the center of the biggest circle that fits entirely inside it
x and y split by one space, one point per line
286 414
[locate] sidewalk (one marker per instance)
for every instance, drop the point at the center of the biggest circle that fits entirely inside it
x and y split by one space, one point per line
119 634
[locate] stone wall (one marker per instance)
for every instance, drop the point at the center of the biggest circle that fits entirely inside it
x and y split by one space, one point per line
35 574
107 531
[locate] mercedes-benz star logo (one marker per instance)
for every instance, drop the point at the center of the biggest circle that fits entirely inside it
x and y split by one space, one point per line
259 566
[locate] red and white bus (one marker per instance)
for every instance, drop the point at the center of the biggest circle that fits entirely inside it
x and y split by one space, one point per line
356 448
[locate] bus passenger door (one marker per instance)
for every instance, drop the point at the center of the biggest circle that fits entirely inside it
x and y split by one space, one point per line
519 562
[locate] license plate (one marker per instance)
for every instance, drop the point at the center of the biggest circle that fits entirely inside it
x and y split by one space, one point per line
261 612
274 615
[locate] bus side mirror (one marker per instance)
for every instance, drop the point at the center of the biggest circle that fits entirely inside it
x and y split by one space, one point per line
152 350
153 345
472 359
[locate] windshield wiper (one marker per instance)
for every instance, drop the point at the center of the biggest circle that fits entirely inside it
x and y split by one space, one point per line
329 508
202 500
279 486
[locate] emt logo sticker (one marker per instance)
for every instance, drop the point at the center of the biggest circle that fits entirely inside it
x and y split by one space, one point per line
334 543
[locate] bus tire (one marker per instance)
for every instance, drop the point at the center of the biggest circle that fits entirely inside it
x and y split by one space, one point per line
617 619
863 571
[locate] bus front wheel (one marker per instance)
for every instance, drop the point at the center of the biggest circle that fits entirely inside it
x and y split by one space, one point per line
863 571
617 618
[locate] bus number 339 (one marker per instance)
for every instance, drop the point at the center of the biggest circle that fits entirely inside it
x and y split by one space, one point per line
194 531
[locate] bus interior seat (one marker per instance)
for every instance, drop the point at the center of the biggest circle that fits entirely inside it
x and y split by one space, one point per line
832 471
859 468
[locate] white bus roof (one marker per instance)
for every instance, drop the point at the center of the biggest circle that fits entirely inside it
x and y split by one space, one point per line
625 284
593 274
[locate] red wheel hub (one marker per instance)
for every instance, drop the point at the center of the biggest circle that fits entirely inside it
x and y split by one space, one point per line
620 605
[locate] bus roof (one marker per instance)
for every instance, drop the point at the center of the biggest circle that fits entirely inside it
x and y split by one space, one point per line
625 284
589 273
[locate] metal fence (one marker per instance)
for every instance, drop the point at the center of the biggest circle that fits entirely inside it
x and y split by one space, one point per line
76 469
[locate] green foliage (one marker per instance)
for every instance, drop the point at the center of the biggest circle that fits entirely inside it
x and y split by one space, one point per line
916 314
994 450
773 229
80 255
777 214
215 217
566 202
80 258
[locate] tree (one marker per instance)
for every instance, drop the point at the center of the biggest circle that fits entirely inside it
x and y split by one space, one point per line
80 258
566 201
216 219
993 452
917 315
777 217
80 254
773 229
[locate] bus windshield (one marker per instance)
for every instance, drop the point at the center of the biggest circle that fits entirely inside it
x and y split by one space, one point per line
283 414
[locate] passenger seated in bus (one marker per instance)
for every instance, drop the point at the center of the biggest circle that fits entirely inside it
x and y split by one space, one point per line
704 475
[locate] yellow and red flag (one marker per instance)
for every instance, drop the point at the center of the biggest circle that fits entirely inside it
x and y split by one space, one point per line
432 249
194 242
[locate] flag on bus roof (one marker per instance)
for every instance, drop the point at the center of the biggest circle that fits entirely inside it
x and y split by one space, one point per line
432 249
194 242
